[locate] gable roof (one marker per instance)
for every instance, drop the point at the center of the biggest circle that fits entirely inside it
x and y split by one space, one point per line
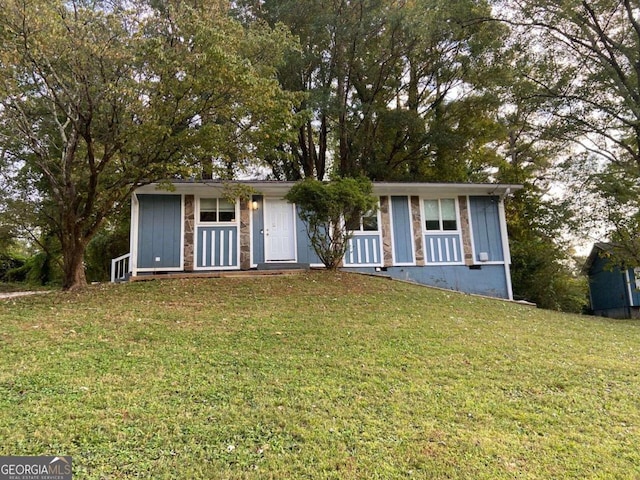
599 248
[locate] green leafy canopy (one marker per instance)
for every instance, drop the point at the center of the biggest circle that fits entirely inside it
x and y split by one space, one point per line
97 98
328 208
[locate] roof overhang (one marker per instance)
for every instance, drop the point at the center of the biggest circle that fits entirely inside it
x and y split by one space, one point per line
273 188
215 187
443 189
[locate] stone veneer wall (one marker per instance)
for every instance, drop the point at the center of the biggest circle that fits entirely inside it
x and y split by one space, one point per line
385 220
417 230
465 228
245 235
189 225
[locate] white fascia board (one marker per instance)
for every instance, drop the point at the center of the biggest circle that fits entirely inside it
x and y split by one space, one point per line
215 188
280 189
442 189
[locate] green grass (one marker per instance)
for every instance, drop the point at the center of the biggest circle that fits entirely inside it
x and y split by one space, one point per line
8 287
316 376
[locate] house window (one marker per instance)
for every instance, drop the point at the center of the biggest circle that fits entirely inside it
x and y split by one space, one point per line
440 215
365 223
217 210
636 272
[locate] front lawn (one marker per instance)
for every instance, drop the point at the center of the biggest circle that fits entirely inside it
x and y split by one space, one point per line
315 376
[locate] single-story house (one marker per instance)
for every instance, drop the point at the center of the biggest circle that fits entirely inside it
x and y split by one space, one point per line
452 236
614 290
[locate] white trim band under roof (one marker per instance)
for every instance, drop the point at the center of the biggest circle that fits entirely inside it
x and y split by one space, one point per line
379 188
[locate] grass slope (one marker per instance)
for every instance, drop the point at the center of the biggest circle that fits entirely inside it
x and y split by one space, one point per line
315 376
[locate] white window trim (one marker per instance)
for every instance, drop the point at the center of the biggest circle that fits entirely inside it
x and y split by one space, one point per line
423 216
368 233
210 224
442 233
196 239
378 231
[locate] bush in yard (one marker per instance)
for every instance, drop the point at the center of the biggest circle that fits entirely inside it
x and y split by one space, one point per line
9 261
328 208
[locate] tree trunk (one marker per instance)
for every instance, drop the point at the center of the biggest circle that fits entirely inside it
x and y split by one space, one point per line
322 154
345 167
305 142
73 249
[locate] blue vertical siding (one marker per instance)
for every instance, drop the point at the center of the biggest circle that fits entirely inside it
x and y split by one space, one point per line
401 230
306 252
489 280
363 250
486 227
608 286
443 248
257 236
159 228
217 247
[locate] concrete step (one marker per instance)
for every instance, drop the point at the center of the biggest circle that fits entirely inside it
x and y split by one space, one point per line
283 266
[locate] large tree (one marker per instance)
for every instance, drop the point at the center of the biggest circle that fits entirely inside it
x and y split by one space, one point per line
588 54
98 97
538 223
396 90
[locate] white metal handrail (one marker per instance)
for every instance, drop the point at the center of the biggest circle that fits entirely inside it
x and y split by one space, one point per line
120 268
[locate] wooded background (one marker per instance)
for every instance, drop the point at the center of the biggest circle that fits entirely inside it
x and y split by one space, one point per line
98 97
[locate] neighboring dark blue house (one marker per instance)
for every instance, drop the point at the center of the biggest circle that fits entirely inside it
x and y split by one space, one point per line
614 290
452 236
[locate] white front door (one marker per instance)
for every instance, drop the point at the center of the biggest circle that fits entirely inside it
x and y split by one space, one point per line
279 231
